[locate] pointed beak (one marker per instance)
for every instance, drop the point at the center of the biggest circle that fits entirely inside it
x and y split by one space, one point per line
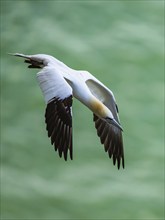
115 123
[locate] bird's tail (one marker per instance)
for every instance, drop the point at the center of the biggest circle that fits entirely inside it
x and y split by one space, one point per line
20 55
29 59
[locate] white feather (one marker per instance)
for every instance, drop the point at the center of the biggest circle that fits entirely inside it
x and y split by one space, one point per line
53 84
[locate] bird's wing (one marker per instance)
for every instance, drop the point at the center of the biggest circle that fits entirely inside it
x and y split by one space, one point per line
110 135
58 115
101 92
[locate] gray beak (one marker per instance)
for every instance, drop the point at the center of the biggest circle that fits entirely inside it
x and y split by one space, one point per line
114 122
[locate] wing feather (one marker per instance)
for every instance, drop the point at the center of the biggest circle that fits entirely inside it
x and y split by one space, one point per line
58 120
111 137
58 115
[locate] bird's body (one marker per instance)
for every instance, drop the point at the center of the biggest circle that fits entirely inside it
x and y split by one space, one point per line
59 84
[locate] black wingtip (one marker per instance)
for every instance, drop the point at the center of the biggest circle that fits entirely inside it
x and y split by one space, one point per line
119 161
123 164
58 121
110 135
71 155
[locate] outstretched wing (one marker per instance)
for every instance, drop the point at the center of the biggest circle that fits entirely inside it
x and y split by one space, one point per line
58 116
110 135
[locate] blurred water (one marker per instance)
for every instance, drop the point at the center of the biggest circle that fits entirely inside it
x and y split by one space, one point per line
121 43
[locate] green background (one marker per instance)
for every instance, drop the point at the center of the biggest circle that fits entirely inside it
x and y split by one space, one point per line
121 43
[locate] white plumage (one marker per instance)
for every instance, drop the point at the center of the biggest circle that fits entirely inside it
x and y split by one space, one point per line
59 84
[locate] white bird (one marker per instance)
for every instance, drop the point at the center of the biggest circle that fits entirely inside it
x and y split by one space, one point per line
59 84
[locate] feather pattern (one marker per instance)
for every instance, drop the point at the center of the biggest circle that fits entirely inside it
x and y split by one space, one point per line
111 137
58 119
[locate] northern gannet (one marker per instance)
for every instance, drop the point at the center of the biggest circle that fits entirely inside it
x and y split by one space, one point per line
59 84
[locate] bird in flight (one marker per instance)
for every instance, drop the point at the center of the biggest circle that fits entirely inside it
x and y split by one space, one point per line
59 84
